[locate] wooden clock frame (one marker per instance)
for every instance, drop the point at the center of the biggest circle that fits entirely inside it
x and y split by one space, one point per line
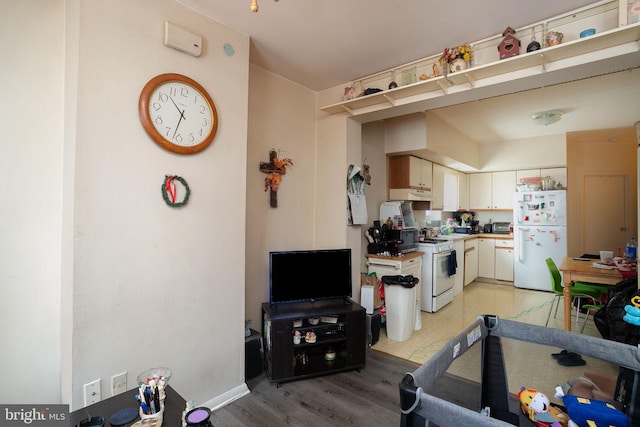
147 121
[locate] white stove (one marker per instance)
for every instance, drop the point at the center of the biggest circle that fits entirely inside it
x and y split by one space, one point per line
436 245
438 263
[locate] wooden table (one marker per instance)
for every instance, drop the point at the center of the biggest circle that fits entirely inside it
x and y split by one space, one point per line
582 271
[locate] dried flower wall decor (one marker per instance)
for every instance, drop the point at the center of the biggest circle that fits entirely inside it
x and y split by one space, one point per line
274 169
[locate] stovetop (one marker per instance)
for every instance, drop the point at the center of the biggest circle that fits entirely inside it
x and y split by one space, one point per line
434 241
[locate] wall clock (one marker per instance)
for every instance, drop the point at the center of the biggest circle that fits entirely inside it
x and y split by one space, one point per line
178 113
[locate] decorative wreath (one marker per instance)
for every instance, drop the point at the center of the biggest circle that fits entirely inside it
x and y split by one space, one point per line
169 191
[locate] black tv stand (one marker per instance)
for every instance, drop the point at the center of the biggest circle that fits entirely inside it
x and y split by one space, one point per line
338 325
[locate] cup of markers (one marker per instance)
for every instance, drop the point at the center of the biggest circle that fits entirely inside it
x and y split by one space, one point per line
151 394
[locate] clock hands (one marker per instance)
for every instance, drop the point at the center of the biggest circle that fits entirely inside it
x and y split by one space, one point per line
181 116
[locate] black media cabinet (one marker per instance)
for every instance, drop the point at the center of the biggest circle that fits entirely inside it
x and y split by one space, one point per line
341 326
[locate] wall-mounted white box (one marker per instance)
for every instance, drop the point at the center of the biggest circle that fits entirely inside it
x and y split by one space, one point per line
182 40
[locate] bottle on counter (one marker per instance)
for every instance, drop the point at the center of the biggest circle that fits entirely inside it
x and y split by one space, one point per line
631 252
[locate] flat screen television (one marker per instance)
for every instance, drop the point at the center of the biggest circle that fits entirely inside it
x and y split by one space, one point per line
309 275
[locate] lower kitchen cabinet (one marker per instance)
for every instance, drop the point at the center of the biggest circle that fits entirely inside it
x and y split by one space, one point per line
470 261
504 260
410 263
486 258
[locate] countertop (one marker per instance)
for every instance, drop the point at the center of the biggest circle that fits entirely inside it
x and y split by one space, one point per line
457 236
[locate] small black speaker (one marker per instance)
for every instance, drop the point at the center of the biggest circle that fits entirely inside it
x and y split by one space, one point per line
252 355
373 327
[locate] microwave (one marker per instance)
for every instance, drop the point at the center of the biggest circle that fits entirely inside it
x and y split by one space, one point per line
406 239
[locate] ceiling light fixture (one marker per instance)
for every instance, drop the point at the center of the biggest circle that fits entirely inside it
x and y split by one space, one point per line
254 5
546 117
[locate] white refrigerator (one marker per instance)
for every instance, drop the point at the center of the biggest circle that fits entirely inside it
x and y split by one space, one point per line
539 232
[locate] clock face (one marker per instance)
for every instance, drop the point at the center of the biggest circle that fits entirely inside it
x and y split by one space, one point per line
178 113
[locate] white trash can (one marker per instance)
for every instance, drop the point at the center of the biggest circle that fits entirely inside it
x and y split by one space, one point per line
400 306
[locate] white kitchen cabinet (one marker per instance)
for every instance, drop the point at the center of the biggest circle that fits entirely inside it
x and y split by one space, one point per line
445 188
410 263
463 191
559 175
491 190
480 191
526 173
410 172
486 258
470 260
503 184
504 260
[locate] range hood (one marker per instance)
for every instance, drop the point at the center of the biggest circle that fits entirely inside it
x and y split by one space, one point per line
410 194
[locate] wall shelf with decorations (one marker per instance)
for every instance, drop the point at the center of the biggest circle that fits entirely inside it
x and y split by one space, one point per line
609 50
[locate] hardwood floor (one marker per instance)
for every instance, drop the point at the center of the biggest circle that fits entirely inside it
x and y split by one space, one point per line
370 397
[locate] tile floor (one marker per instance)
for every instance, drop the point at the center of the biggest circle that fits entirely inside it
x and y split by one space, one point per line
529 365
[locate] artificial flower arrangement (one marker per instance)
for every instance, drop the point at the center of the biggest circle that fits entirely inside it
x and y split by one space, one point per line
460 52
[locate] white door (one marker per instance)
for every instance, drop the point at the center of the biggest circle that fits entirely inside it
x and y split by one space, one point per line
533 245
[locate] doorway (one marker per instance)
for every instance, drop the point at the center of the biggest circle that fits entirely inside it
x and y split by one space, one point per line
604 211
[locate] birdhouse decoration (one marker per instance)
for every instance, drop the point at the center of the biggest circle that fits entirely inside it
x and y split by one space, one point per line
510 46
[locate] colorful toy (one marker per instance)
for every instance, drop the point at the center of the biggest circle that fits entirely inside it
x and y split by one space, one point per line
633 311
633 315
585 412
538 408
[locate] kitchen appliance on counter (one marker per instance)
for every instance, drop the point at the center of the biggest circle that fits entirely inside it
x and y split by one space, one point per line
501 228
462 230
540 232
437 283
401 241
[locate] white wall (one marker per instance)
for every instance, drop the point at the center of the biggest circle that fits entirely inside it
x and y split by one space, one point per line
31 107
149 285
281 117
154 285
543 152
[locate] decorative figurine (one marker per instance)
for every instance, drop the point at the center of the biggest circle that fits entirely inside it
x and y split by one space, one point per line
554 38
534 45
510 46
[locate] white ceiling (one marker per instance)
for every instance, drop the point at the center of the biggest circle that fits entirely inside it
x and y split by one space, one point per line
321 44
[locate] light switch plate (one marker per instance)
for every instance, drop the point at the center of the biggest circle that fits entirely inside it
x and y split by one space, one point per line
92 392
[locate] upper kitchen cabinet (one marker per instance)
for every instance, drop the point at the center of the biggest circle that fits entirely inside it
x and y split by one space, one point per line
503 184
558 175
410 178
492 190
463 191
480 191
445 188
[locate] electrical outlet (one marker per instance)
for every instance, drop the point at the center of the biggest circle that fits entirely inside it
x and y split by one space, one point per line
92 392
119 383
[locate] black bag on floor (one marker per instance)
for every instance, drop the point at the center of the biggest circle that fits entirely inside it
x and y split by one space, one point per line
609 320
